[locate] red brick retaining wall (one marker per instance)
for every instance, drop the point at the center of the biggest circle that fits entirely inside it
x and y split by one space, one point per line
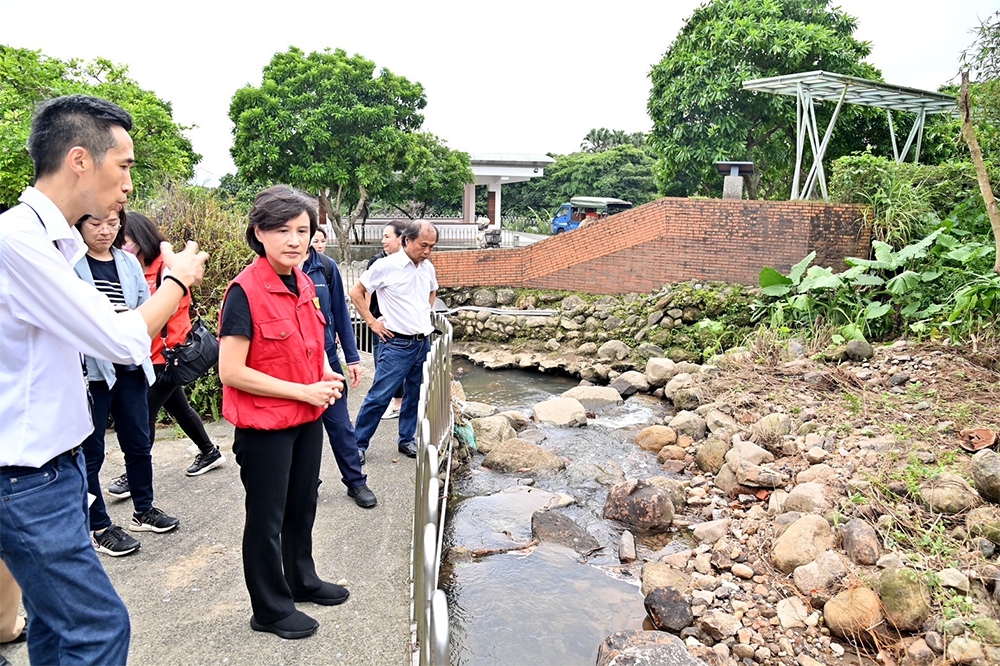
669 240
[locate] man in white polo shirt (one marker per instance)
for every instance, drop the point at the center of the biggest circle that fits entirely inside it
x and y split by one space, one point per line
49 317
405 283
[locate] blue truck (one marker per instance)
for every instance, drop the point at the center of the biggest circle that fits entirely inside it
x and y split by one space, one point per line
580 211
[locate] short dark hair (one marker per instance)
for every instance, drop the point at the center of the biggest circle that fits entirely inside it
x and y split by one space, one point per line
119 237
146 236
274 207
320 230
398 226
73 120
416 227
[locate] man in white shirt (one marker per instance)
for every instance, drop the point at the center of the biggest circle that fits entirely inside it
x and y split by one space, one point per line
405 283
48 316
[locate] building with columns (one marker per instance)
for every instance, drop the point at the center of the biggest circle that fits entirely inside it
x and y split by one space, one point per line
494 170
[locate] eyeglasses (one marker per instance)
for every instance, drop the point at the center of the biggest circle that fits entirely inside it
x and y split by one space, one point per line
104 225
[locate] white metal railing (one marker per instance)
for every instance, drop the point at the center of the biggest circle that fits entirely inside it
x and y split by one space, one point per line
451 233
435 424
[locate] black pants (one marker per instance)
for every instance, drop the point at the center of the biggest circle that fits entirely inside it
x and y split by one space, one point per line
171 397
280 471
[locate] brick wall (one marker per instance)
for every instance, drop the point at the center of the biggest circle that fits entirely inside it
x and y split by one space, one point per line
669 240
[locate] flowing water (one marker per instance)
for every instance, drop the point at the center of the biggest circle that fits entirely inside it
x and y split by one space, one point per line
551 605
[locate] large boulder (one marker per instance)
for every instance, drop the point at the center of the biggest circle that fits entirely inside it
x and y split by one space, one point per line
490 431
518 455
801 543
478 410
640 505
668 610
560 412
613 350
639 648
594 398
659 371
630 382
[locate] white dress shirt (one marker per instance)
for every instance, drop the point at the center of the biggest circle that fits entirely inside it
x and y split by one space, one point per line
48 316
404 292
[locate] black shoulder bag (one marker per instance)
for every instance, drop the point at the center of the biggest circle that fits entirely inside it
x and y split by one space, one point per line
195 356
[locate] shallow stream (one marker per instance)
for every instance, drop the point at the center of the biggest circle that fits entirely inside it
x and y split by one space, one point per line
549 605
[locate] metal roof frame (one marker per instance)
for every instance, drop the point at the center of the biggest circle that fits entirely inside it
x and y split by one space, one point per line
810 87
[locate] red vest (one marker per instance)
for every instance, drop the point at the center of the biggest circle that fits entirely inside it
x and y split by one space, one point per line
287 343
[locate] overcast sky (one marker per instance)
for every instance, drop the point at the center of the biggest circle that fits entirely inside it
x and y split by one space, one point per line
499 77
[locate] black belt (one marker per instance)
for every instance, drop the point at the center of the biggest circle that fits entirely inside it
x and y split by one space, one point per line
404 336
21 469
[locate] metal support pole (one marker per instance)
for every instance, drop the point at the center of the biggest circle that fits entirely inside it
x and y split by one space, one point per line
892 133
799 139
921 117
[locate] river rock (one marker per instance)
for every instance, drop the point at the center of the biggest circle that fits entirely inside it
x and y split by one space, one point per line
642 648
760 476
679 381
953 578
630 382
948 493
484 298
594 398
658 574
919 653
626 548
792 613
655 438
807 498
718 420
518 455
490 431
725 480
674 488
478 410
690 424
905 598
555 527
518 420
984 521
801 543
962 650
640 505
860 542
560 412
659 371
613 350
859 350
711 455
820 579
816 474
719 624
710 531
986 474
668 610
671 452
748 451
852 613
687 399
770 432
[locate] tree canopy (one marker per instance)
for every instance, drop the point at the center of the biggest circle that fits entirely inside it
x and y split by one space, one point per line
701 113
27 78
330 124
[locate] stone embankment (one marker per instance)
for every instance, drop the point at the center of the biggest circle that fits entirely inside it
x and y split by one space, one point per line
821 528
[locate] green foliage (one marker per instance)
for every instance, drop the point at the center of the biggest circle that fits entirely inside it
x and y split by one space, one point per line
330 124
432 179
27 78
701 113
599 140
624 172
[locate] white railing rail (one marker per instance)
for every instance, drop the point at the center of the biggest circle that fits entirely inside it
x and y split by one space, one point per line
428 605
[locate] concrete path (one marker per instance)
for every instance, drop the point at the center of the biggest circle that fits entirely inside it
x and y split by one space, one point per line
185 589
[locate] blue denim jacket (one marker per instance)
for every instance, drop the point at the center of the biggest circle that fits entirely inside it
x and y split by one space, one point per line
136 292
333 305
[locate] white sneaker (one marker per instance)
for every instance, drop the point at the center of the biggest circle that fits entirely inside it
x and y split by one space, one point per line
390 413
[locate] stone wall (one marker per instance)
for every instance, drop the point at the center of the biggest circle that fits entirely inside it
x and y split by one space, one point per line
666 241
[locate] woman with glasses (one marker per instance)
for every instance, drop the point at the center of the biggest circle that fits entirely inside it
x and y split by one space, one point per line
119 391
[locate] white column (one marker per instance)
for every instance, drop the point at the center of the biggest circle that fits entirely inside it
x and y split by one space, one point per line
469 203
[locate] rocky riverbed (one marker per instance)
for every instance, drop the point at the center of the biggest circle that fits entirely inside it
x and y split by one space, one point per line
800 506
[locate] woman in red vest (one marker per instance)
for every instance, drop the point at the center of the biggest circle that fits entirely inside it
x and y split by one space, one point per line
276 383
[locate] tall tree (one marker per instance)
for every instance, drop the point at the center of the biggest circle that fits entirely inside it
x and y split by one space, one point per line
701 113
27 77
329 123
984 58
598 140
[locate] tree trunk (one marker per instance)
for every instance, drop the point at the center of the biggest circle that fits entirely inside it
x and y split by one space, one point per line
359 210
969 132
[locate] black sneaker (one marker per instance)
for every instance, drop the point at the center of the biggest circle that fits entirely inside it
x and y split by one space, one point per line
119 488
114 542
363 496
206 461
153 520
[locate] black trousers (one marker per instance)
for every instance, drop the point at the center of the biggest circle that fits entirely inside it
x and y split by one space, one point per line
280 473
171 397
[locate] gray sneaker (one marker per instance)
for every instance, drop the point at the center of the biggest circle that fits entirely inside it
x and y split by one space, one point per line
114 542
119 488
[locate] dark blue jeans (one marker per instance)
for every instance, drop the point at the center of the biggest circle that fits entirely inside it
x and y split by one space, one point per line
126 401
74 614
376 343
337 422
400 363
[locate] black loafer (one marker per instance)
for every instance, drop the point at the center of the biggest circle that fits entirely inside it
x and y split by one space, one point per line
329 594
296 625
409 449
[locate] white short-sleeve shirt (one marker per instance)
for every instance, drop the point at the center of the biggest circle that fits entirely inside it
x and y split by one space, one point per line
404 290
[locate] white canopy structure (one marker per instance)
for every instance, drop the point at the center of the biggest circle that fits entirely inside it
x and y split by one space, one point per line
496 170
810 87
